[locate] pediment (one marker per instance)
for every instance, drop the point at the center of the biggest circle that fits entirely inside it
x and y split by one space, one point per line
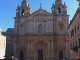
40 43
21 48
41 12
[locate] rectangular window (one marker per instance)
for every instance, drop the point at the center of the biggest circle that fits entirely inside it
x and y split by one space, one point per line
72 33
76 43
77 26
73 44
79 41
75 29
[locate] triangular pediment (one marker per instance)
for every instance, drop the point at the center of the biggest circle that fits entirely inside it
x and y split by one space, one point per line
41 12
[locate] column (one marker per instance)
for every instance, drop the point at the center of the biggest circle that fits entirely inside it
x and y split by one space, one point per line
51 49
48 49
67 50
28 50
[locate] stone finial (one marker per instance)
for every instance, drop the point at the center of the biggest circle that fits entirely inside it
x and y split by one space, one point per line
0 30
53 3
79 2
18 6
64 4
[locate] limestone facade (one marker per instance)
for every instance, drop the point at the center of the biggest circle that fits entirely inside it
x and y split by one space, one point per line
41 35
74 36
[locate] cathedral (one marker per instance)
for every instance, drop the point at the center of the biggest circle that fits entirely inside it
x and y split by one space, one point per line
41 35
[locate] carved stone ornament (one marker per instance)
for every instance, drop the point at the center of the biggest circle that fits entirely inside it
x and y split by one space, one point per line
40 14
40 43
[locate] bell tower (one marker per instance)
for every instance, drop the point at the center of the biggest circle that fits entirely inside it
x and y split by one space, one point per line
24 9
59 8
22 12
60 17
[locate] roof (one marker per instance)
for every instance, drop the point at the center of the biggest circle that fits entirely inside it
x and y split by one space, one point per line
10 31
4 33
41 12
77 11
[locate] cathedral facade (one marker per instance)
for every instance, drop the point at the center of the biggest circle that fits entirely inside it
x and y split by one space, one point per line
41 35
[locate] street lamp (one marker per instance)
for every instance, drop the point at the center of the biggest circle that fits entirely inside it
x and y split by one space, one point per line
4 57
12 57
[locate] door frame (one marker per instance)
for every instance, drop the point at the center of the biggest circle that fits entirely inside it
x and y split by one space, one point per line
40 51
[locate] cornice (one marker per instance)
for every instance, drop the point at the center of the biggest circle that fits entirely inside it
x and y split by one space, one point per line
77 11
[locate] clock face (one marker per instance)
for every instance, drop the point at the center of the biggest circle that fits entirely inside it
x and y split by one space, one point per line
59 18
22 20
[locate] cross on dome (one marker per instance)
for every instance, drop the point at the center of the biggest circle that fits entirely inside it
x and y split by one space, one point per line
40 6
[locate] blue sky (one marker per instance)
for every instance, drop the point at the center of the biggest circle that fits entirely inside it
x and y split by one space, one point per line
8 9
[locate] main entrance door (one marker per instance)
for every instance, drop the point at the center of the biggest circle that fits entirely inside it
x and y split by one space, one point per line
21 57
40 54
60 55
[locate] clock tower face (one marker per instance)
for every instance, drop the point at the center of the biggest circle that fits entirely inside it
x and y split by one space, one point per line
22 20
59 18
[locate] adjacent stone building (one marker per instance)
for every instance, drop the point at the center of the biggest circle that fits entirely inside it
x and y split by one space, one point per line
9 42
2 45
41 35
74 36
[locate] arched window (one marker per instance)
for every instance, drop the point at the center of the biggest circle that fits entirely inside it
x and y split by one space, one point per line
23 11
59 10
40 28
